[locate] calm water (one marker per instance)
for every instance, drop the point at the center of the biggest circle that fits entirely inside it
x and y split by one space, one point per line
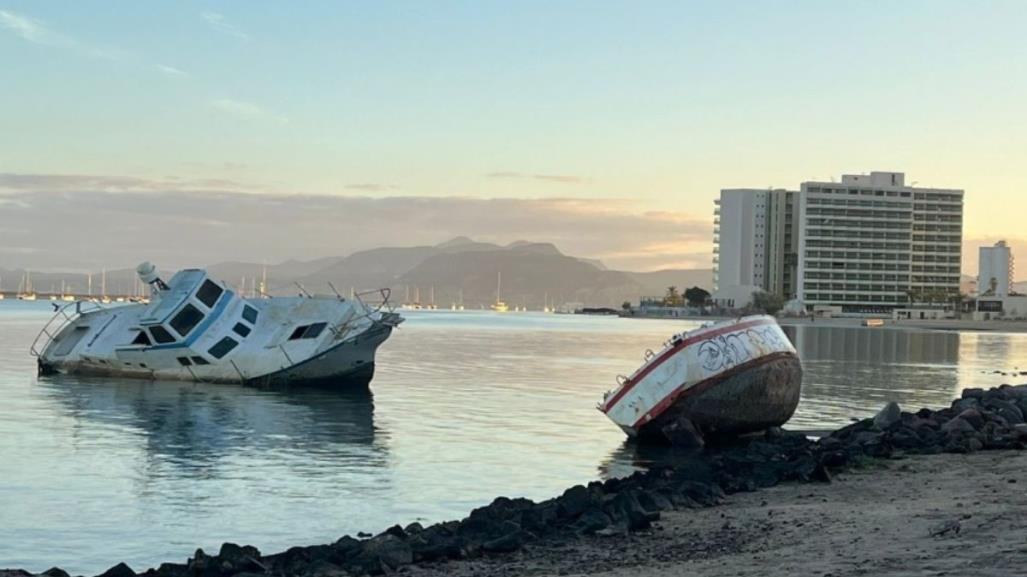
465 406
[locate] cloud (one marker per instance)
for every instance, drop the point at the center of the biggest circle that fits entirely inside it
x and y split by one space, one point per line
246 110
28 28
371 187
22 26
566 179
217 22
172 71
182 222
34 31
68 183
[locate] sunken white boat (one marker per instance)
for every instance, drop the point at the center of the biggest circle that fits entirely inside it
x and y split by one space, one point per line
197 329
724 379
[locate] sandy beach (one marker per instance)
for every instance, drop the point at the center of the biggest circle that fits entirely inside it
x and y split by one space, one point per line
923 515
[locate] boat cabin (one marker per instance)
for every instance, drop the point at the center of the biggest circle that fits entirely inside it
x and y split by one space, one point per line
179 319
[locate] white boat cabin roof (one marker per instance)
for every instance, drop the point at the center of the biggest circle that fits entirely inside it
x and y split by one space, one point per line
183 285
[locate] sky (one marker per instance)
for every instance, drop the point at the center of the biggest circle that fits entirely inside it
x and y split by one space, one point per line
606 127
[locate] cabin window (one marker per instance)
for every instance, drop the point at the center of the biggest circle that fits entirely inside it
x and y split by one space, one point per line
241 329
223 347
250 314
314 330
199 361
208 293
184 361
186 319
161 335
141 339
308 331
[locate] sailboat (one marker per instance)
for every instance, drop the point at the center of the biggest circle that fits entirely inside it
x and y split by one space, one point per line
431 304
500 306
25 291
459 305
64 292
103 288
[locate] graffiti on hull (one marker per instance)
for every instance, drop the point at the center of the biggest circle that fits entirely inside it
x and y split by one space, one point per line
725 351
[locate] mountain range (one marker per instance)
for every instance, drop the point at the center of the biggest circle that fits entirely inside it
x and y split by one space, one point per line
530 274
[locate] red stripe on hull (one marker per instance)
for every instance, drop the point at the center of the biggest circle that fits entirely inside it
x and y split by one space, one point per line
673 351
685 391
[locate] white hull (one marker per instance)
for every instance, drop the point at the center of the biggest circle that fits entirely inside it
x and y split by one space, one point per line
223 338
730 377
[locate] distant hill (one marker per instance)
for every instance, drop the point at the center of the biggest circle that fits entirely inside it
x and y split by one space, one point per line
533 274
655 283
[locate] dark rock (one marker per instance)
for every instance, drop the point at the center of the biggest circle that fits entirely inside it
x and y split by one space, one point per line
574 501
705 495
170 570
1005 409
344 549
960 405
413 528
653 501
890 415
821 474
513 539
972 393
683 433
436 542
323 568
55 572
591 521
383 553
624 508
234 559
121 570
960 425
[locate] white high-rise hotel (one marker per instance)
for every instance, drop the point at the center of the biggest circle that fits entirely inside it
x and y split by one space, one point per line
867 244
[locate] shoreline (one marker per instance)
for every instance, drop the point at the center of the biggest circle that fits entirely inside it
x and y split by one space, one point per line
993 326
622 526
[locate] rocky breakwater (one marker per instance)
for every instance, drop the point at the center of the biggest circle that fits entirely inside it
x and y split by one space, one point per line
979 420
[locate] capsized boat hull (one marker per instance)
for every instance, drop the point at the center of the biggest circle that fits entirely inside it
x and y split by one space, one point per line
726 379
198 329
349 364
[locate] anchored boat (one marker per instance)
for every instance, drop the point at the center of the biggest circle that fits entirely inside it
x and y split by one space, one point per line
728 378
197 329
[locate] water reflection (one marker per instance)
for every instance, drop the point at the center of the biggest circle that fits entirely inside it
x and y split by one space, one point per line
876 346
194 427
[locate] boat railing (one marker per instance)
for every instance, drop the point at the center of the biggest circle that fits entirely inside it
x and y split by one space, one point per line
384 293
56 324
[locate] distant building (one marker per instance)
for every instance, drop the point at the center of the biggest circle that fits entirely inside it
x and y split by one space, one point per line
995 270
754 244
870 244
866 245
